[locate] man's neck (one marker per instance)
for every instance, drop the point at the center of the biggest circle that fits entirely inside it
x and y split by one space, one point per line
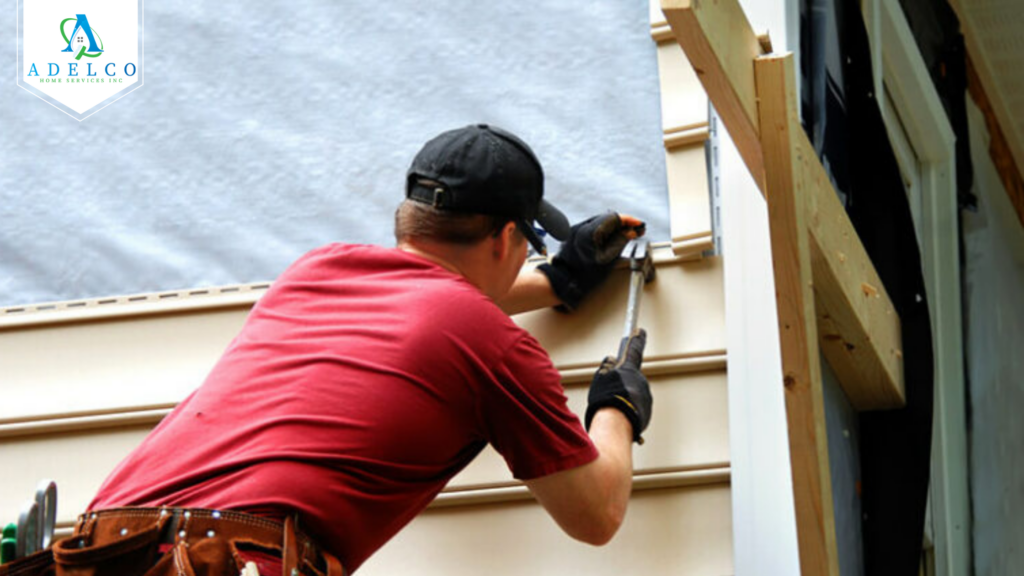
474 263
438 259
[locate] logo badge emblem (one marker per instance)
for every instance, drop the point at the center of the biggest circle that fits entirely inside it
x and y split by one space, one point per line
83 31
80 60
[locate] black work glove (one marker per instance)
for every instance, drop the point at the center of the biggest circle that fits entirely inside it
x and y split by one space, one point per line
619 384
586 258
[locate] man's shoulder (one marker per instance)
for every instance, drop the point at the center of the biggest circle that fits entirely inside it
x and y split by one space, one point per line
339 260
347 252
452 300
392 278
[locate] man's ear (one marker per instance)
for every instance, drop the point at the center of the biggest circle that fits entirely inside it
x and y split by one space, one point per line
505 241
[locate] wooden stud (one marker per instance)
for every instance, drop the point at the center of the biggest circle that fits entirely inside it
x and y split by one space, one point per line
791 255
858 328
721 46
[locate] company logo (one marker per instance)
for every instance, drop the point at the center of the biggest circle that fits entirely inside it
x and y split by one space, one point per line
79 34
85 70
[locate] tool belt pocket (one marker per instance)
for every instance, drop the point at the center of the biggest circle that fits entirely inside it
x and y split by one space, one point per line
130 554
267 559
38 564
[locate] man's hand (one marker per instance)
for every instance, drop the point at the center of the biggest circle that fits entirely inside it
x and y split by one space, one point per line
590 501
619 384
588 255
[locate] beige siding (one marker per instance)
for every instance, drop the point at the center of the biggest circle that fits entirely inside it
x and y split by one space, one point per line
683 101
77 460
670 531
115 363
689 431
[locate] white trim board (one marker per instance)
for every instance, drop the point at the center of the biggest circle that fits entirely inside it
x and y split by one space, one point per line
763 508
905 76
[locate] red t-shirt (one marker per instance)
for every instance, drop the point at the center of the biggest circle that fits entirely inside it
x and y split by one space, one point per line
362 381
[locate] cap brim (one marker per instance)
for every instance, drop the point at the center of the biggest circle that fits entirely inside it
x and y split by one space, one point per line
553 221
535 240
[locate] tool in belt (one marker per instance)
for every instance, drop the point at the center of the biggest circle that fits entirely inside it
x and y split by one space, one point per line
137 540
36 522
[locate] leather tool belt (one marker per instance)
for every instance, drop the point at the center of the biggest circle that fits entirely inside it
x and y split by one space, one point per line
178 542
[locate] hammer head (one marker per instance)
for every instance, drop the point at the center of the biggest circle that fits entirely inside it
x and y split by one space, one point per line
638 252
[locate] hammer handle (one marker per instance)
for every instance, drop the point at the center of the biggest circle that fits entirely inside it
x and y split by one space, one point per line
636 287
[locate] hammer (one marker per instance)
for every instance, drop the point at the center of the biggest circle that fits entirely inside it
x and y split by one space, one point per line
641 271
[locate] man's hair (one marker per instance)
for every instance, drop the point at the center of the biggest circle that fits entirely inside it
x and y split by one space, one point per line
416 220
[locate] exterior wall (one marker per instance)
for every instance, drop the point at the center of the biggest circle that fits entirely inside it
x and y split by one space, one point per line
994 319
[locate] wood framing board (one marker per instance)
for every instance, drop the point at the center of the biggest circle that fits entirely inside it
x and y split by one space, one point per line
859 327
671 531
998 147
721 47
791 254
991 34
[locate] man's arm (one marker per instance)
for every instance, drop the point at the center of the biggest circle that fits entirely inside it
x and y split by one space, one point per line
589 502
531 291
607 233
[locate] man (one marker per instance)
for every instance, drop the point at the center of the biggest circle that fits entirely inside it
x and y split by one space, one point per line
366 378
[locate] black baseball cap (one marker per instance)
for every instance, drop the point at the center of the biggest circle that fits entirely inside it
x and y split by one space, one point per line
482 169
